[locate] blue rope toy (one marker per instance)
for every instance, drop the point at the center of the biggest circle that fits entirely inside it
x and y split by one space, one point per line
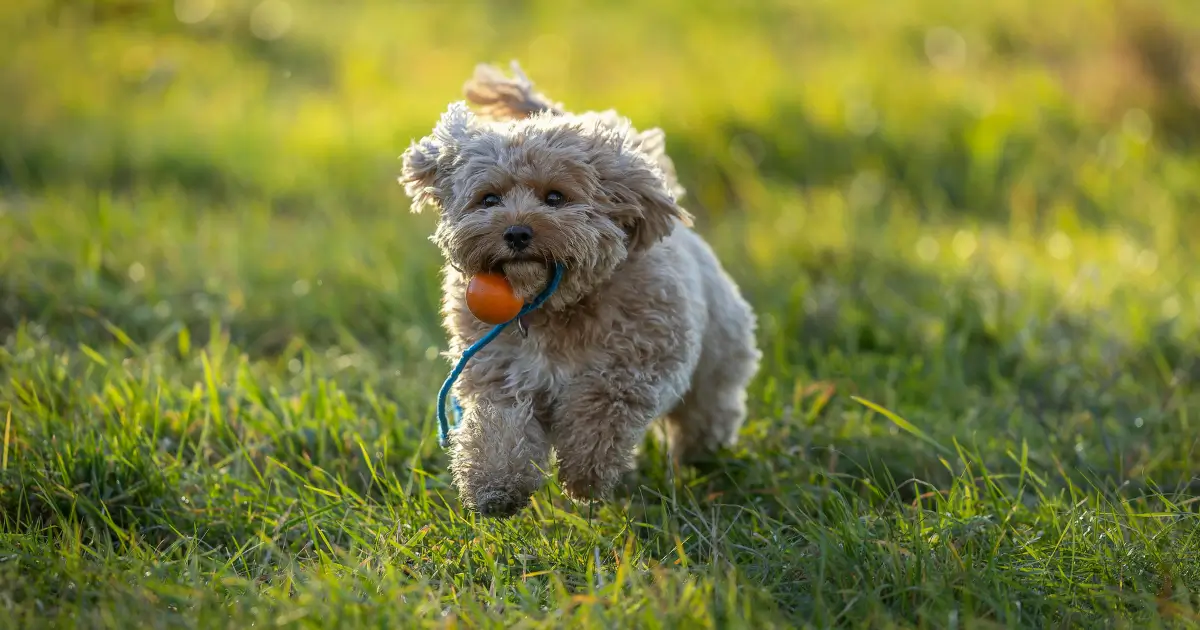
443 422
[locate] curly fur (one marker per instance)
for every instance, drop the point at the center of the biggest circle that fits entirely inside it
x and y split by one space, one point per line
646 323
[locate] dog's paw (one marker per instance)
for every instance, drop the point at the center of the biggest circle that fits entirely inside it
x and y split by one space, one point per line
587 490
701 457
498 503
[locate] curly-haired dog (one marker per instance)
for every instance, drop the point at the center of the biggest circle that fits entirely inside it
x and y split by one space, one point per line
645 322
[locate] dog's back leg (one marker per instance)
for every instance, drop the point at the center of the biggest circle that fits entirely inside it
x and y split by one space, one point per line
709 416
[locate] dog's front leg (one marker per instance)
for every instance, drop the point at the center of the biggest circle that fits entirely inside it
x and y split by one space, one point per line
498 456
601 418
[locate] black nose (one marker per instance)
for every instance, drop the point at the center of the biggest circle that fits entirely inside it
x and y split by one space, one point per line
518 237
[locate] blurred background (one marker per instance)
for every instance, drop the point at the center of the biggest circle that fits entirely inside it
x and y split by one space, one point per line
937 203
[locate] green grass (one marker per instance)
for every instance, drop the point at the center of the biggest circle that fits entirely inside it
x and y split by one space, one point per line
969 250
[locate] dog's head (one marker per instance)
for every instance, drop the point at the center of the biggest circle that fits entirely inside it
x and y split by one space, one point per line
518 196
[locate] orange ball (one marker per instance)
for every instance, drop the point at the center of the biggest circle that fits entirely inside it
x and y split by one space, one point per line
491 299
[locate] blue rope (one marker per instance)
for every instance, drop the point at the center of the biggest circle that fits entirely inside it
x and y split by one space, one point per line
443 423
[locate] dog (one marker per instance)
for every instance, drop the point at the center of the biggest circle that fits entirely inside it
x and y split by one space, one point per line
645 323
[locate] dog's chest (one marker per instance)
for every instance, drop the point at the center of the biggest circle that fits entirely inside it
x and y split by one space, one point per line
555 351
541 362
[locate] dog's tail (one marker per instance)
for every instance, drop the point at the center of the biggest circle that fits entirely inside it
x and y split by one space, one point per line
502 98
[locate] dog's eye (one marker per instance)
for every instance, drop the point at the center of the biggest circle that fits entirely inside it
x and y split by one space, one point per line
555 198
490 200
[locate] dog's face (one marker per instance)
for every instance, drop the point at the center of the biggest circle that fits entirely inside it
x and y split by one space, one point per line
518 196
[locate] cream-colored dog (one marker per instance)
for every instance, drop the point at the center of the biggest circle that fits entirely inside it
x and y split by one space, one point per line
645 322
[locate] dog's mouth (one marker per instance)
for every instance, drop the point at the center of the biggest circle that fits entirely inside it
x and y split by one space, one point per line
500 266
527 275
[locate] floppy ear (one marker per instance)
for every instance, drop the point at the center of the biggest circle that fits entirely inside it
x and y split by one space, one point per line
427 164
653 142
642 197
418 172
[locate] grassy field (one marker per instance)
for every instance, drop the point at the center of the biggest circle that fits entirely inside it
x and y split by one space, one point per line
965 227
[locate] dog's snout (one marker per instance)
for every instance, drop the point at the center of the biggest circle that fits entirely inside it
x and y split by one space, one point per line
518 237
